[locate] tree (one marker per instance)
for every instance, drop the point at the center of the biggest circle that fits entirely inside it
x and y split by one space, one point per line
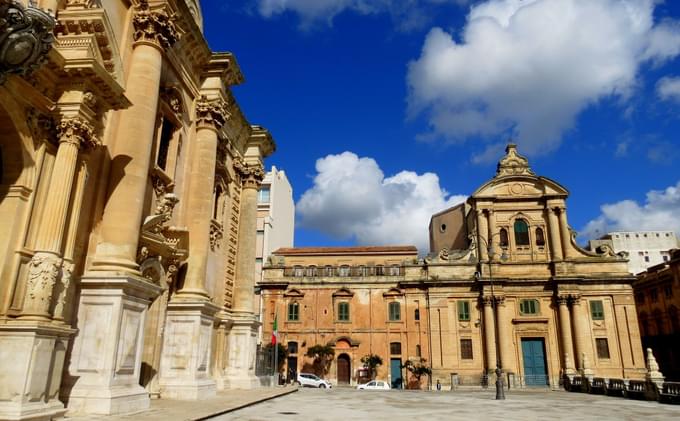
323 355
417 370
372 361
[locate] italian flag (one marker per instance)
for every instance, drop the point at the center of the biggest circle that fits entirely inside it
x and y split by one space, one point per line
275 331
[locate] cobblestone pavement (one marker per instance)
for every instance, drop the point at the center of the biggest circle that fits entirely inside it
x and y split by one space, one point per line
350 404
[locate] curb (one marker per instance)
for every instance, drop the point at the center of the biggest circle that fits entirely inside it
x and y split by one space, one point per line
245 405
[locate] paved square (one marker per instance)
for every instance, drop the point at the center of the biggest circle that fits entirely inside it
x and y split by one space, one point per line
351 404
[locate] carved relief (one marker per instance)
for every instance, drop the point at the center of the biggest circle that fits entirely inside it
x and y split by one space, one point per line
173 98
43 271
77 132
513 163
216 234
63 289
211 113
25 38
251 174
156 27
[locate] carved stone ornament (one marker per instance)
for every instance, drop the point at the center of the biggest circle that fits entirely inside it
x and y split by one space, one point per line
513 163
605 250
211 112
156 27
78 132
63 289
80 4
562 300
173 98
164 208
444 254
216 235
25 38
43 271
251 174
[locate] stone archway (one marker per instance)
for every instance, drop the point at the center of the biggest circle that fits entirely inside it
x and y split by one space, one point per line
344 369
153 270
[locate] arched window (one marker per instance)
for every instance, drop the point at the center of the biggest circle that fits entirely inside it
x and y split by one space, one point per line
521 233
311 271
503 237
540 238
394 310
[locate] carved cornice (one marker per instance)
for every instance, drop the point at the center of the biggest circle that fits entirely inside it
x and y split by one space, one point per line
78 132
25 38
155 27
251 174
513 163
211 113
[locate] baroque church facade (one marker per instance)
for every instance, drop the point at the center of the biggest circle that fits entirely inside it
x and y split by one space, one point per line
504 280
128 195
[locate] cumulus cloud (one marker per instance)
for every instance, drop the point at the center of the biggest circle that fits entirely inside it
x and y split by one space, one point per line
528 68
659 212
409 14
668 88
352 199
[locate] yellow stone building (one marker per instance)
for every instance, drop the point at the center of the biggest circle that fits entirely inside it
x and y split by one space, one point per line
561 310
128 196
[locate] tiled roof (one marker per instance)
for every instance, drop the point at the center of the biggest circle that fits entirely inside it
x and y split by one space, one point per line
288 251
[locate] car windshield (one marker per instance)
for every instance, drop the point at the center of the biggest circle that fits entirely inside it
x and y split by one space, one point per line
371 383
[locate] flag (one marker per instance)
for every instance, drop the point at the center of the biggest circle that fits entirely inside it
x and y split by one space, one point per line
275 331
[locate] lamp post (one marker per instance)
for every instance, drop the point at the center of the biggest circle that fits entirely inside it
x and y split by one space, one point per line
500 390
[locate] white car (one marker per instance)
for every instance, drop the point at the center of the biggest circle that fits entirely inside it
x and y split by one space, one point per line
374 385
312 380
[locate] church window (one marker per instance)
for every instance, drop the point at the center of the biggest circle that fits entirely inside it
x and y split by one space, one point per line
503 237
521 233
602 348
216 202
343 312
167 131
597 310
293 312
416 314
540 237
394 310
528 307
464 311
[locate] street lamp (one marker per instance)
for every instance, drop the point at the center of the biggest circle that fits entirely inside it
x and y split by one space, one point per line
500 390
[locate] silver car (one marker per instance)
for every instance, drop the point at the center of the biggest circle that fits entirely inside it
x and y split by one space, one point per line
312 380
374 385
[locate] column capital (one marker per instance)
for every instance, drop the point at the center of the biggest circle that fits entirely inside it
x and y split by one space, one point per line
154 27
78 132
574 299
211 113
251 174
486 301
562 300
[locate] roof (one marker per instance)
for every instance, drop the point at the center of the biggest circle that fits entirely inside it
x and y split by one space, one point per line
308 251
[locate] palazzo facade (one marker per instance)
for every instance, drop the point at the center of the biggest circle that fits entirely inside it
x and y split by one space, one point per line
561 310
128 195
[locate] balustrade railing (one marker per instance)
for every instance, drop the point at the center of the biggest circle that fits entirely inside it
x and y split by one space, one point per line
667 392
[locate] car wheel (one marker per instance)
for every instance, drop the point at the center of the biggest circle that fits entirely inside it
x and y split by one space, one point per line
322 386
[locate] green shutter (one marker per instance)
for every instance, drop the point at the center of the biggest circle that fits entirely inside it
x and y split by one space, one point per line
463 310
343 312
597 310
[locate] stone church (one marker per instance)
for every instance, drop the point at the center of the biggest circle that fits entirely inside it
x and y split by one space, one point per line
128 195
505 280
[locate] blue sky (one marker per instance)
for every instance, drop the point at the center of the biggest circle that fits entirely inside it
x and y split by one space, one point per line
387 111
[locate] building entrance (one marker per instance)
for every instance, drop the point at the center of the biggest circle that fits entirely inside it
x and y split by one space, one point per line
533 356
344 369
395 373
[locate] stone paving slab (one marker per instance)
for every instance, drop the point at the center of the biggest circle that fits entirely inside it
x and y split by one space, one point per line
394 405
171 409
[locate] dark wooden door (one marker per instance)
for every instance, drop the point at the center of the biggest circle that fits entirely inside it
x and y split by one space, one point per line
343 369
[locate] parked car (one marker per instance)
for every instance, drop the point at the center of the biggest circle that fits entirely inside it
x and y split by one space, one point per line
312 380
374 385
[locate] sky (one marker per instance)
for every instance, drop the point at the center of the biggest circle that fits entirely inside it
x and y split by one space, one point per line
387 111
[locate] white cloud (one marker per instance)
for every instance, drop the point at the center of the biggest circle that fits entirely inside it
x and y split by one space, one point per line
351 198
661 211
668 88
528 68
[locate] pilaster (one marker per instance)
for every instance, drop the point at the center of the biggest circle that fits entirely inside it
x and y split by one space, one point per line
482 241
555 242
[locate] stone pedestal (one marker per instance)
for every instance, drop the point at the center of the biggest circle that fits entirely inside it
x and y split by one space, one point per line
242 347
106 360
31 362
185 360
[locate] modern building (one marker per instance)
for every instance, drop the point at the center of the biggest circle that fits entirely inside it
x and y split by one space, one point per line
657 294
129 180
644 248
560 310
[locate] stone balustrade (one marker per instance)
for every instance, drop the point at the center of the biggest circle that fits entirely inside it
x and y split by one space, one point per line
669 392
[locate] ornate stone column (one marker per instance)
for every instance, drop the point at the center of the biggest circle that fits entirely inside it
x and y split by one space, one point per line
555 244
565 234
45 266
565 334
119 234
581 334
489 334
482 234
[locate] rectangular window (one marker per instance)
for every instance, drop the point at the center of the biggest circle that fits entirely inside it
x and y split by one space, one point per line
263 195
464 311
597 310
293 312
602 348
528 307
343 312
416 315
167 130
466 349
668 291
417 350
647 259
292 347
394 311
395 348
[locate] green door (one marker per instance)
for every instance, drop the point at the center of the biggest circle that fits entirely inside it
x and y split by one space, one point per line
533 355
395 373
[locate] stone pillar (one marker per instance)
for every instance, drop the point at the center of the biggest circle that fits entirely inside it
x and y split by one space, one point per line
505 332
555 244
581 334
489 334
119 234
482 241
493 238
45 266
210 116
565 234
565 335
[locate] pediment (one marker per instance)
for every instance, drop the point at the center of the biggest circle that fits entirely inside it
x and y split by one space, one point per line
293 293
520 187
343 292
393 292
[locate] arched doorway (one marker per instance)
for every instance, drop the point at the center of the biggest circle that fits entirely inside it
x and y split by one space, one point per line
344 369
